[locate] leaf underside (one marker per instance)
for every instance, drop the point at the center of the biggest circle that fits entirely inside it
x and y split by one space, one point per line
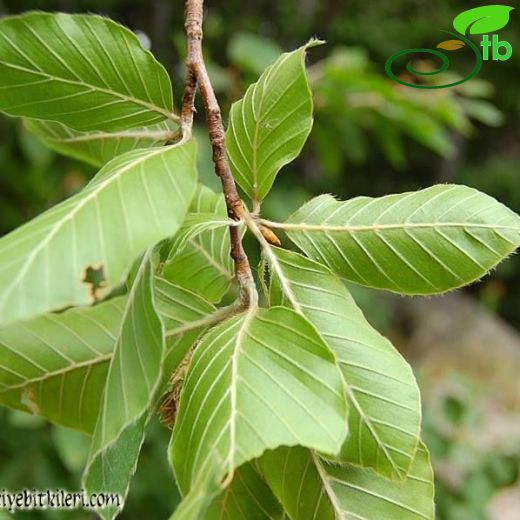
251 380
124 209
385 411
97 148
134 377
84 71
248 496
301 410
203 263
424 242
311 488
56 364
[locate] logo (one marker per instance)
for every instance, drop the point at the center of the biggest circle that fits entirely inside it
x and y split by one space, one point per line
478 21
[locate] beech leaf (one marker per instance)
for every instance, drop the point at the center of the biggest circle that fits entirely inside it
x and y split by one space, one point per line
84 71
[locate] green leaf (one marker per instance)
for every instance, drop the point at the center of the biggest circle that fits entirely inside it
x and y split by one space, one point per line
134 377
270 124
310 488
200 496
484 19
203 264
385 408
423 242
196 223
55 365
179 307
84 71
113 469
257 381
141 351
184 314
98 148
53 261
248 496
297 477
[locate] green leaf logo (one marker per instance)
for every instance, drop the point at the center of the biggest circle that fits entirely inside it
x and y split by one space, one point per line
481 20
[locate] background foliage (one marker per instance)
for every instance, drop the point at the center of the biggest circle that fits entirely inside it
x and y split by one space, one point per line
370 138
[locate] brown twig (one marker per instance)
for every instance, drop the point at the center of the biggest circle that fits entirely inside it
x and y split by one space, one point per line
197 73
188 104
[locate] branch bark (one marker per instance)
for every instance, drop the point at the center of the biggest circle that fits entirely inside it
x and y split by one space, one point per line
197 73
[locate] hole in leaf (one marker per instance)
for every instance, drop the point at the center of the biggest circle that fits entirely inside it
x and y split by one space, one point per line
94 276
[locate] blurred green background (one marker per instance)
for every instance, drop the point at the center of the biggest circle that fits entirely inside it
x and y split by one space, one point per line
371 137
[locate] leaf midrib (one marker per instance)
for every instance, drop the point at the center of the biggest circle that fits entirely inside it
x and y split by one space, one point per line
207 255
234 361
380 496
324 477
261 117
154 108
158 135
55 373
381 227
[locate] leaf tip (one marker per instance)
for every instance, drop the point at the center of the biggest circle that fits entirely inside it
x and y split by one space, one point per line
314 42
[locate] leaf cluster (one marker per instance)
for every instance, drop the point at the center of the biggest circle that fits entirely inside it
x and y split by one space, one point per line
124 292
